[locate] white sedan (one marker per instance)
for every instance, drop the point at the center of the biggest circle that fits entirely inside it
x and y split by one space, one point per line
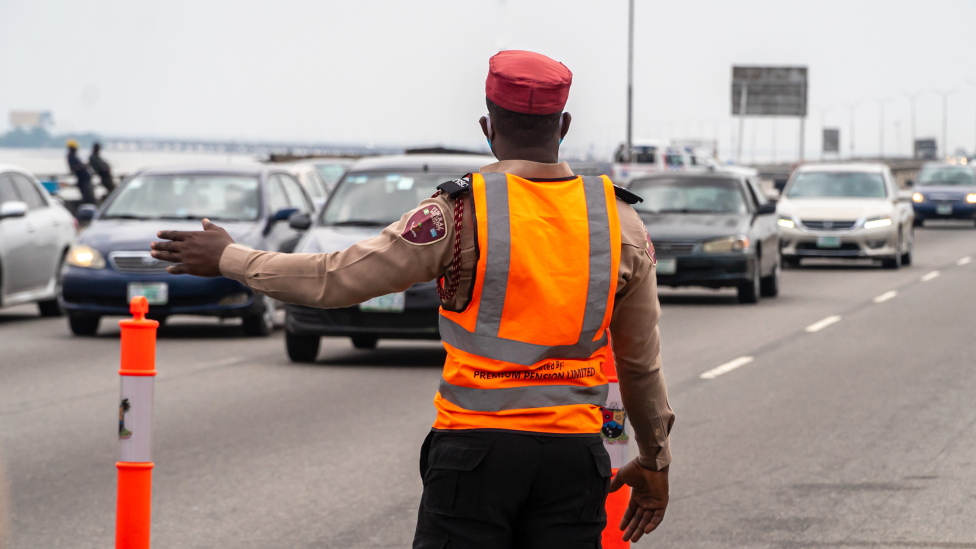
845 211
35 233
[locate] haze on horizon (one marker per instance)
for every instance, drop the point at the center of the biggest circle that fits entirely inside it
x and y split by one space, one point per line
396 73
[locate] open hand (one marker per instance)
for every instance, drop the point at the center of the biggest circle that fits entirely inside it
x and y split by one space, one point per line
648 499
196 252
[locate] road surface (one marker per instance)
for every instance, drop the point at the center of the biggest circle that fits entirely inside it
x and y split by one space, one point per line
841 414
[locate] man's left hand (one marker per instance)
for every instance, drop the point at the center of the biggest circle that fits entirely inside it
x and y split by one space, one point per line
195 252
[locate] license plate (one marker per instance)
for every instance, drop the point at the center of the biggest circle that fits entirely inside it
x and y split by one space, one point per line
156 293
667 266
943 209
828 242
389 303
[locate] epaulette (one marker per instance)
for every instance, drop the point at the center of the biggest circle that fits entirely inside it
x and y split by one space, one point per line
457 187
626 196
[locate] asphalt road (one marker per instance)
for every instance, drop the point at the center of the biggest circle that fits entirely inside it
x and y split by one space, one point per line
859 434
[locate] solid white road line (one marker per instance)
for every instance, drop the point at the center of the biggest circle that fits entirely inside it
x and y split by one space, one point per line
964 260
930 276
727 367
885 296
821 324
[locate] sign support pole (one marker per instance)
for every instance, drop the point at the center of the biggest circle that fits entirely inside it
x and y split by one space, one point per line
630 80
803 120
742 119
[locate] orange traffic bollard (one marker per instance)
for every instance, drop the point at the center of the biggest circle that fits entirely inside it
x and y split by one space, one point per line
615 439
138 371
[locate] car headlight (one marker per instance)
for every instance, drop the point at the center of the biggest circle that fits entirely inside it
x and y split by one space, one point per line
919 197
86 257
726 244
971 198
786 223
877 222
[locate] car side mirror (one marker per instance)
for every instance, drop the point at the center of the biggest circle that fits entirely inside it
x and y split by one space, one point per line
86 212
780 184
300 221
909 183
766 209
280 215
13 208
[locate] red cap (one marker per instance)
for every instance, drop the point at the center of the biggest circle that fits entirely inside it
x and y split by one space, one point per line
527 82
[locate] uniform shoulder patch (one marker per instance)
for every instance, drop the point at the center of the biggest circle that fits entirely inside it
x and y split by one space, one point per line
457 187
425 226
626 196
649 246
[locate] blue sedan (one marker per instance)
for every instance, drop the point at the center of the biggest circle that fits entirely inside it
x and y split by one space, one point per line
110 263
945 191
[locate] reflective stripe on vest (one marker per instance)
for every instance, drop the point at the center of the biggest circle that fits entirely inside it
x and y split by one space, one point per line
505 367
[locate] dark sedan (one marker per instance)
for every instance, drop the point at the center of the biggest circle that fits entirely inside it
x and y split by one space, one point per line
110 263
711 229
374 193
945 191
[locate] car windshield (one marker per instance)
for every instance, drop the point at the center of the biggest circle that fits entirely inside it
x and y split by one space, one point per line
837 185
380 198
947 175
180 196
331 173
644 155
685 195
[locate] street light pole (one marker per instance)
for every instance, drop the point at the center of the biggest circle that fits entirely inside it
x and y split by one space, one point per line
911 99
852 106
881 104
630 79
972 83
945 118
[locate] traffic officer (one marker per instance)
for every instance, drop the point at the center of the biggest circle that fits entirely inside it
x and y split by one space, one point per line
535 266
81 173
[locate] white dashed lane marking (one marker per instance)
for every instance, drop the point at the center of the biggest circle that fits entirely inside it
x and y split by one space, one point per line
821 324
930 276
727 367
964 260
885 296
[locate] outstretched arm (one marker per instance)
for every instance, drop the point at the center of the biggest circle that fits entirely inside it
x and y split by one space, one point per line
405 253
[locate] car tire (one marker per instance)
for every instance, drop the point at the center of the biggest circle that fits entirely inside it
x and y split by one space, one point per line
364 341
302 348
52 307
83 325
895 261
749 291
769 285
906 258
262 323
918 222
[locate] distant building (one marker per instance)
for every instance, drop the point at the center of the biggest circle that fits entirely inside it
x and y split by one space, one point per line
31 119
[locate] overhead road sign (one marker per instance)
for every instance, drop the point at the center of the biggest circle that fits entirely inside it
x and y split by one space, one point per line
769 91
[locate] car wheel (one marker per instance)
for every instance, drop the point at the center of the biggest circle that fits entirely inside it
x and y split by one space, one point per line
895 261
769 286
52 307
918 222
262 323
302 348
906 258
749 292
364 342
83 325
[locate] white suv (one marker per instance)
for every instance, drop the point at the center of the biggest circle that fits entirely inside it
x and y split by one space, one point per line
845 211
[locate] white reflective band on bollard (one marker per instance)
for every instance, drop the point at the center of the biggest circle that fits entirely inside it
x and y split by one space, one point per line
614 431
135 419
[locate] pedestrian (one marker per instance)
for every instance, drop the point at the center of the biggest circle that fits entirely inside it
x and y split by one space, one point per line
535 266
102 168
80 171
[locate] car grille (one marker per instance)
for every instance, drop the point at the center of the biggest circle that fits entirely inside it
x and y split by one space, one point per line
673 247
828 225
945 197
137 263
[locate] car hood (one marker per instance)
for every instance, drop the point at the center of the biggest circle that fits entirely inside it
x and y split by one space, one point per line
953 190
834 208
679 226
323 240
135 234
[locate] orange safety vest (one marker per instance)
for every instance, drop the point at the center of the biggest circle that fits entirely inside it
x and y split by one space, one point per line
527 352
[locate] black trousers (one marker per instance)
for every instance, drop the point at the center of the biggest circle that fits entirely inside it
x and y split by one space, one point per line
512 490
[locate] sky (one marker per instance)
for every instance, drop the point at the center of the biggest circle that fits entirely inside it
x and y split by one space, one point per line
397 73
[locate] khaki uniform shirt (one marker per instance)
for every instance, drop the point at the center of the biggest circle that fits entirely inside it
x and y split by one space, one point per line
389 263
